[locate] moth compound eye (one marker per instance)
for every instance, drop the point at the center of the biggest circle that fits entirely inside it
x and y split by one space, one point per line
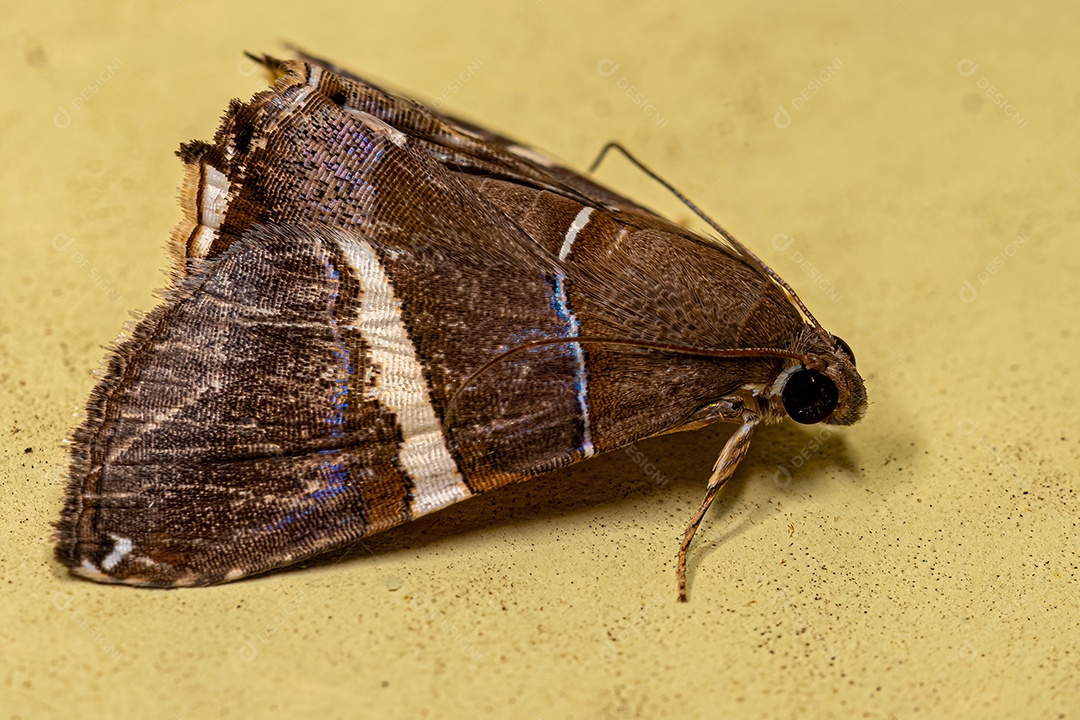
843 347
809 397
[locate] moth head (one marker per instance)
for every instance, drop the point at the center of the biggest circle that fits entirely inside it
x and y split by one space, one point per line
824 386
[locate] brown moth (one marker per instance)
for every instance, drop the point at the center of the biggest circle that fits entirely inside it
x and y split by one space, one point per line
379 310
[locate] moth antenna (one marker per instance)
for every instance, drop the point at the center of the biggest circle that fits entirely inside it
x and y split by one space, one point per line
640 344
272 64
728 237
262 59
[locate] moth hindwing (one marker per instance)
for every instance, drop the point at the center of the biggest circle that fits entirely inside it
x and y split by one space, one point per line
378 310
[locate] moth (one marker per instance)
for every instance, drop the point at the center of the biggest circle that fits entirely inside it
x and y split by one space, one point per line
378 310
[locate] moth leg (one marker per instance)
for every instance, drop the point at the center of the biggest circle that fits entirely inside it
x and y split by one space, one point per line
733 452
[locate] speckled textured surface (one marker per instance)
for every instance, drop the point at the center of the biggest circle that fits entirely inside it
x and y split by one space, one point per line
912 170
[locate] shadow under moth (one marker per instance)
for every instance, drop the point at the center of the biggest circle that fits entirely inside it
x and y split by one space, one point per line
378 310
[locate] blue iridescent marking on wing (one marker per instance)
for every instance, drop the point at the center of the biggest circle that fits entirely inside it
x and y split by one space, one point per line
333 480
339 399
333 476
560 302
360 190
336 477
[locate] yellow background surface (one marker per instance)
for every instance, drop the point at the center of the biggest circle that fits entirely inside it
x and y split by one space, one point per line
911 169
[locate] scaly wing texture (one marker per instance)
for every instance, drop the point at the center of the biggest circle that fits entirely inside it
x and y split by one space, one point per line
348 260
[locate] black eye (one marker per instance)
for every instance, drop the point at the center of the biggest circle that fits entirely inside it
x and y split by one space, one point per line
809 397
844 348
